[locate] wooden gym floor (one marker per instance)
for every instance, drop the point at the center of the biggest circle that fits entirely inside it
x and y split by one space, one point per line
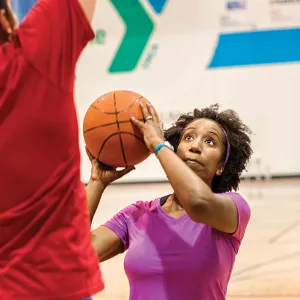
268 264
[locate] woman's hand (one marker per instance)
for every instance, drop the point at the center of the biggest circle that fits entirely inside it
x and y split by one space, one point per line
152 128
104 174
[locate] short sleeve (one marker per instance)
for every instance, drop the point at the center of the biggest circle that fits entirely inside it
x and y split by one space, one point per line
244 214
119 224
53 35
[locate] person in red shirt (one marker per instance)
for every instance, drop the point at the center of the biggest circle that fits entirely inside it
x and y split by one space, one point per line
45 240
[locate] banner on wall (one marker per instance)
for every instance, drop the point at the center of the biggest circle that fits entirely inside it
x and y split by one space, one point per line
194 55
183 57
255 44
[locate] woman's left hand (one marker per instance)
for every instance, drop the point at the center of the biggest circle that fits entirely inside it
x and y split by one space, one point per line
152 128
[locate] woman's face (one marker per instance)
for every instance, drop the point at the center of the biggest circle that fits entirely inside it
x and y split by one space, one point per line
202 148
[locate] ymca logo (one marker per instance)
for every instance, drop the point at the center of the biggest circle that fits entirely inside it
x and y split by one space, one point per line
139 29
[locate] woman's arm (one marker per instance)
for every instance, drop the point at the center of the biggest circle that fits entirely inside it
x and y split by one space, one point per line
194 195
94 192
106 243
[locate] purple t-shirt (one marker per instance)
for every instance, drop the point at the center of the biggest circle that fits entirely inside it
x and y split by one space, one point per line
176 259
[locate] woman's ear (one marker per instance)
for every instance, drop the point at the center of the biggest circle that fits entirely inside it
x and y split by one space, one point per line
220 169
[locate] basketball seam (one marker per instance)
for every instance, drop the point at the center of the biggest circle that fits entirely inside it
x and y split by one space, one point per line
108 124
116 133
117 112
118 125
103 144
132 104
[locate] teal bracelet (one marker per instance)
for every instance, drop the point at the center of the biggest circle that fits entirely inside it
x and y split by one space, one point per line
158 147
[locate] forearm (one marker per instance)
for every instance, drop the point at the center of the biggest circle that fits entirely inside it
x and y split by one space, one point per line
189 188
94 191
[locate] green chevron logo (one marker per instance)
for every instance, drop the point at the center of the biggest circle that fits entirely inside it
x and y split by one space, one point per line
139 28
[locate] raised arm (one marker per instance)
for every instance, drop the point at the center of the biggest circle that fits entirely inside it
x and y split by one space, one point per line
53 35
106 243
193 193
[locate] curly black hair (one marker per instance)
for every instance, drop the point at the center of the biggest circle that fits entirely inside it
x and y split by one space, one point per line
239 138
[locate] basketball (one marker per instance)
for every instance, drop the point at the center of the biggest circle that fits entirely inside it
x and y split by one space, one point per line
108 132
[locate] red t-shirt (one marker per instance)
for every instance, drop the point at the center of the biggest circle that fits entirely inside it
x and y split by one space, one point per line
45 240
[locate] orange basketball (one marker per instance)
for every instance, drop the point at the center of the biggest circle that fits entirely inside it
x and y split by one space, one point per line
108 132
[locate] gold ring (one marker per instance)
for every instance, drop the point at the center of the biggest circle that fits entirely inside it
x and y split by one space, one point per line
149 118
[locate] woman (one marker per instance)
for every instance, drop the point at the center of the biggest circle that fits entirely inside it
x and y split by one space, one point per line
182 246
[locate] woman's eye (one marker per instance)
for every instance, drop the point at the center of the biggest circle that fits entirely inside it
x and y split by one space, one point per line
210 142
189 137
